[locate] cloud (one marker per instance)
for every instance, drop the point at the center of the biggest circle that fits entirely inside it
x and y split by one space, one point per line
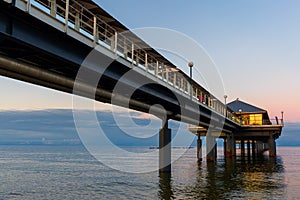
144 116
57 126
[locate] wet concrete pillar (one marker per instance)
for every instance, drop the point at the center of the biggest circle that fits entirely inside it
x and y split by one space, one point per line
272 146
216 150
242 147
229 146
259 147
165 148
199 148
248 148
233 146
253 148
210 148
224 146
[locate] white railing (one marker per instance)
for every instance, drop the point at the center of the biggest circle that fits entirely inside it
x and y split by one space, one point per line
78 18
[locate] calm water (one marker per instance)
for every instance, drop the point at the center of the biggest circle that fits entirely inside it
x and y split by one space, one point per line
44 172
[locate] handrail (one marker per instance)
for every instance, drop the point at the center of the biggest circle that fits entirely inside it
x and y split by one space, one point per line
77 17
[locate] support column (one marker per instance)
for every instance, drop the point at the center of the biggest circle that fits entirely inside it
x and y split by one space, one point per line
229 146
259 147
233 146
272 146
210 148
253 148
225 147
242 148
216 150
248 148
165 148
199 148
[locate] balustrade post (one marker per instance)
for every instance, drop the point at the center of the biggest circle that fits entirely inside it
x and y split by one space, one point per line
132 54
53 8
67 15
174 79
77 21
95 32
115 42
156 69
146 61
28 5
167 74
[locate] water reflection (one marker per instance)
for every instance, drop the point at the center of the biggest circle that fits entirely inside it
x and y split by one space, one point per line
259 178
165 186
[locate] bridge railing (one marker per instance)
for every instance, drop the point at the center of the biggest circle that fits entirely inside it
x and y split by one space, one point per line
79 18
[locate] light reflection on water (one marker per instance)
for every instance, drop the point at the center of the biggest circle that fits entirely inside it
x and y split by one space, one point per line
262 178
37 172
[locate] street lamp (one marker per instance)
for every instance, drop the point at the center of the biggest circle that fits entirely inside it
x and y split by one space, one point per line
225 97
241 118
191 64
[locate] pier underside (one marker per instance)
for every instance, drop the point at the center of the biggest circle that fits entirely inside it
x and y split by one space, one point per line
252 140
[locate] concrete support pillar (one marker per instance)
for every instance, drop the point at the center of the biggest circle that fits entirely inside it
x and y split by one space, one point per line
225 147
233 146
248 148
275 150
229 146
253 148
242 147
216 150
165 148
199 148
210 148
272 146
165 186
259 147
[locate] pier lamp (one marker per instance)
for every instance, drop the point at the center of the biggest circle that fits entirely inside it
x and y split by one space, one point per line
191 64
225 97
241 119
225 109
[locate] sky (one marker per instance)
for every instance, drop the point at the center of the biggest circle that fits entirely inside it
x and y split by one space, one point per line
254 44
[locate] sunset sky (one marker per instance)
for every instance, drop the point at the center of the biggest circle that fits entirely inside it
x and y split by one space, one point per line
255 45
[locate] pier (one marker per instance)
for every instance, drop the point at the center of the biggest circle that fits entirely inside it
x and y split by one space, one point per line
255 135
44 42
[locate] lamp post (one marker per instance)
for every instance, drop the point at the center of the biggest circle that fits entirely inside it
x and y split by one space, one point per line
241 119
225 97
191 64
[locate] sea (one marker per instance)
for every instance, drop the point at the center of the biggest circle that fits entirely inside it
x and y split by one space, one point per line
70 172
